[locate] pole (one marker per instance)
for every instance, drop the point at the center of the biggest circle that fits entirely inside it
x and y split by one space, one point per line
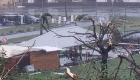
41 24
47 5
125 20
66 9
42 6
96 6
112 8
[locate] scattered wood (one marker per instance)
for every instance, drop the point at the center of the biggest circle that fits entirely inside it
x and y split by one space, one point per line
71 75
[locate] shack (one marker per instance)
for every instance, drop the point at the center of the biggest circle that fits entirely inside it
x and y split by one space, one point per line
41 58
72 46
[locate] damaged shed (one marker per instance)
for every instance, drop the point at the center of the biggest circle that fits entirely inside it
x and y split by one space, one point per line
42 58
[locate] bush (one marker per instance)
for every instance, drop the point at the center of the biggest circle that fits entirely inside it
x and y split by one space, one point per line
28 30
20 31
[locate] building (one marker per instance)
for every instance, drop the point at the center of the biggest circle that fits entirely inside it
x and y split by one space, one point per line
89 0
40 3
77 0
70 45
7 3
42 58
57 3
52 39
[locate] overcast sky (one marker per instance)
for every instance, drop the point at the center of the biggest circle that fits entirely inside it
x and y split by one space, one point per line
112 0
123 0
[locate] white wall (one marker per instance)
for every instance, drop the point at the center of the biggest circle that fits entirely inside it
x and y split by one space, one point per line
51 0
131 0
76 0
30 1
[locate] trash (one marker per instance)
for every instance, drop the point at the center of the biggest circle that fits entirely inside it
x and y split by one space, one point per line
35 73
29 68
59 73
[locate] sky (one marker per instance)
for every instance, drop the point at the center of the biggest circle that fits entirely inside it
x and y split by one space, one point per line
123 0
112 0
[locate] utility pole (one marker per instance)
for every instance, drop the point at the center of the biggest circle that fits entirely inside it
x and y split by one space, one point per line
12 4
41 24
47 5
125 20
42 5
112 4
66 14
96 8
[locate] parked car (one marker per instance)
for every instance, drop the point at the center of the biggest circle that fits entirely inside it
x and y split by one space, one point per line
17 19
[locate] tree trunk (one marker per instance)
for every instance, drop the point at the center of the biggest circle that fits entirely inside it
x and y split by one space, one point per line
80 51
104 71
41 30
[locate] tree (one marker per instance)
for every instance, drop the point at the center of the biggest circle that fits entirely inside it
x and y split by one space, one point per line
44 20
4 73
103 39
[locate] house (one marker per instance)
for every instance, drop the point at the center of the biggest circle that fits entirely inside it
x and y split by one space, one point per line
42 58
7 3
4 3
54 3
55 37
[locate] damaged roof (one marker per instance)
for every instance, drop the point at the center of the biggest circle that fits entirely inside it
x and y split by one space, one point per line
51 38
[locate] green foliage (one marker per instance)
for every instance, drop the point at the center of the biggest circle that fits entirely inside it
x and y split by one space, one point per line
40 76
2 61
87 71
92 70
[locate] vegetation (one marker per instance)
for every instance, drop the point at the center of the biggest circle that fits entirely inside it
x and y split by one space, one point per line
20 39
22 28
94 70
84 71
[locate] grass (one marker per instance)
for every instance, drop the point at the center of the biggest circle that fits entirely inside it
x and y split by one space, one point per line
18 29
22 29
84 71
9 30
131 23
41 76
21 39
124 72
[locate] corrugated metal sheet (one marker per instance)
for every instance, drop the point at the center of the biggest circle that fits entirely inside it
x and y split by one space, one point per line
13 50
52 39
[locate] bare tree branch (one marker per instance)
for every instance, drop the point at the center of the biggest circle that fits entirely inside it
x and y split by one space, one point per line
118 68
4 75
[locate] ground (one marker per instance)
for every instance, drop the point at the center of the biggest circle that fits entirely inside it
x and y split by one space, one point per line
21 33
84 71
131 23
